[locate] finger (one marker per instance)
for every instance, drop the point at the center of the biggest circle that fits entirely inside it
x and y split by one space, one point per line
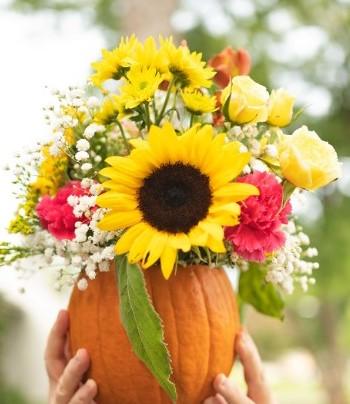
250 358
71 377
229 391
85 394
217 399
258 389
54 353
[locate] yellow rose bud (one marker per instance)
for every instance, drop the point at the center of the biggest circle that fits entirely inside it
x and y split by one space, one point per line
307 161
280 108
248 101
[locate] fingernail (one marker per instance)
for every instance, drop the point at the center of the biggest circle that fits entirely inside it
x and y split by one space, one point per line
90 384
79 355
221 379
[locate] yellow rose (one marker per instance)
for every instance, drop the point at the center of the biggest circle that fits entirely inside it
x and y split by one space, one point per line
280 108
307 161
248 101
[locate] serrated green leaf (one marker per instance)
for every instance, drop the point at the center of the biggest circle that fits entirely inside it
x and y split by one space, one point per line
142 324
263 296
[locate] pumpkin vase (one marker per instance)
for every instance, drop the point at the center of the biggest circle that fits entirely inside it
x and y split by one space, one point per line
200 318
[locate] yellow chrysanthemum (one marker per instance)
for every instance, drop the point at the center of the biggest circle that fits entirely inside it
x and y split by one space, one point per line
197 102
186 68
51 173
111 109
173 192
141 84
114 64
148 55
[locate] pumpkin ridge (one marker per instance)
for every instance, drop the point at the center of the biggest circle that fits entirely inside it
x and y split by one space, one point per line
229 294
176 331
99 335
209 327
149 287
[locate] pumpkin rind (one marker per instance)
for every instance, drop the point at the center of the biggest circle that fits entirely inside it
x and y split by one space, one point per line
200 318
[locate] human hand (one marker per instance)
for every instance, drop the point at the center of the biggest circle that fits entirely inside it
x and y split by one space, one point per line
66 373
258 391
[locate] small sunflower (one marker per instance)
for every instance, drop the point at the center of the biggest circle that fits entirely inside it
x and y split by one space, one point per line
148 55
115 63
141 85
186 68
197 102
111 109
173 192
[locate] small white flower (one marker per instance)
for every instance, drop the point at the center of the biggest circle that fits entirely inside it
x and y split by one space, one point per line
83 145
82 284
86 167
92 129
104 266
271 150
54 150
93 102
73 200
81 155
86 183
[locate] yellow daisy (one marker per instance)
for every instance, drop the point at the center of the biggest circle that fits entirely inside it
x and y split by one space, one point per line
173 192
114 64
111 109
186 68
141 84
197 102
148 55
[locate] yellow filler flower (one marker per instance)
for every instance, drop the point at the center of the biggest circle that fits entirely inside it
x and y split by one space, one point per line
197 102
187 68
173 192
115 63
141 85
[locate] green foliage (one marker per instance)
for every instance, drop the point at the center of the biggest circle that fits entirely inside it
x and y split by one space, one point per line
8 315
263 296
142 323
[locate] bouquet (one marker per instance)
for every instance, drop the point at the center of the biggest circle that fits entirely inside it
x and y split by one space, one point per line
159 173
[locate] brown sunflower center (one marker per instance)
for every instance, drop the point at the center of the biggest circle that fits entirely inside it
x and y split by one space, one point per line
175 197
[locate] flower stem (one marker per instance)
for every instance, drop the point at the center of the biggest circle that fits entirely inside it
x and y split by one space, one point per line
120 126
160 116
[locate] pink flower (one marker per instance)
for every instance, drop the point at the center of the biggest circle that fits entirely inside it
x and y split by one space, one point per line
56 215
258 232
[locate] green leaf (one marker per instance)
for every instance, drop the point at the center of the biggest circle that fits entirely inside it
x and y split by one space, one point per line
263 296
142 324
288 189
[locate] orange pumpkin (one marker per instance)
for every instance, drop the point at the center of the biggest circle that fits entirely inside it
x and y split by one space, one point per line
200 319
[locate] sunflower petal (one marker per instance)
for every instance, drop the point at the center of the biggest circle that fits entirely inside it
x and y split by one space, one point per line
155 248
118 220
167 261
215 245
140 245
238 191
213 229
125 242
121 178
180 241
116 200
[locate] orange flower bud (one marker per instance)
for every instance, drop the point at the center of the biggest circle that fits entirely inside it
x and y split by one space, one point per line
230 63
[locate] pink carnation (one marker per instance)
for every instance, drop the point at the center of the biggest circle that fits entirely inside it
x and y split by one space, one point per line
258 232
56 215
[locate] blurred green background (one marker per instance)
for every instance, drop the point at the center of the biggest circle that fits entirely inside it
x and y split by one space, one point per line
304 46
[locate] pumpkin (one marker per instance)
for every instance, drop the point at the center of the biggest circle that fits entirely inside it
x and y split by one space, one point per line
200 318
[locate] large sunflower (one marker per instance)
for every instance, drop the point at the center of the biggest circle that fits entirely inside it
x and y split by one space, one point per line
173 192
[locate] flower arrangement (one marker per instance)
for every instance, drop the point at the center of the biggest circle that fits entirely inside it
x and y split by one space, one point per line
163 159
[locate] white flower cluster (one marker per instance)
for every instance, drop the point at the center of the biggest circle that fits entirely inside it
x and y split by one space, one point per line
249 136
289 265
91 249
71 105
